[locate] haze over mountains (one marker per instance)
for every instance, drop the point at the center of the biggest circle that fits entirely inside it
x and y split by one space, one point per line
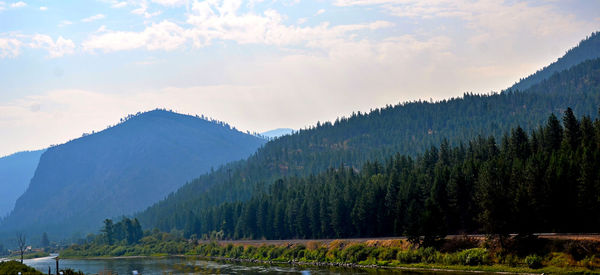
123 169
16 171
408 128
586 50
275 133
132 166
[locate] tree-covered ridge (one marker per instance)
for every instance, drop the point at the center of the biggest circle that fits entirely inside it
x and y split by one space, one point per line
408 128
588 48
121 170
545 181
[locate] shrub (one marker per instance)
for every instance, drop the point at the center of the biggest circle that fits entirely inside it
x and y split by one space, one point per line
533 261
473 256
355 253
408 256
511 260
429 255
14 267
560 259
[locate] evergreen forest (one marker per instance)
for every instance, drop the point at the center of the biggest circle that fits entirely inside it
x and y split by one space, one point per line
364 140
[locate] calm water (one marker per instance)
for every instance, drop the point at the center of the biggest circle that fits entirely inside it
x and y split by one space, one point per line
189 265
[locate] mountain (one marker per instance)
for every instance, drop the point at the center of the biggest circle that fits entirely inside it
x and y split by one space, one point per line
123 169
277 133
587 49
546 181
408 128
16 171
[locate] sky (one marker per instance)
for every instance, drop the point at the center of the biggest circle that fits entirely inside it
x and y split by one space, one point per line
73 67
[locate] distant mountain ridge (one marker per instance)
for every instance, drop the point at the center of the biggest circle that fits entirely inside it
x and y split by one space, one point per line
275 133
16 171
587 49
123 169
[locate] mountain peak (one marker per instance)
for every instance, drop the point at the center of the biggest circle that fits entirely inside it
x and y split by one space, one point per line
124 169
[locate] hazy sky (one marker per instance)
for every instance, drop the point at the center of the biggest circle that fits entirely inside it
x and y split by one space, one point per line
69 67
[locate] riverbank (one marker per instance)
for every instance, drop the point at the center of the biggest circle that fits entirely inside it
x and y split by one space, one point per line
398 254
532 255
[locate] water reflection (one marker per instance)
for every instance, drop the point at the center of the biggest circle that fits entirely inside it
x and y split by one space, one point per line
192 265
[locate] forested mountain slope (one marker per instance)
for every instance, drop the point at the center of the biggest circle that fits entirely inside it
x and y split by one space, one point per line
546 181
408 128
16 171
587 49
123 169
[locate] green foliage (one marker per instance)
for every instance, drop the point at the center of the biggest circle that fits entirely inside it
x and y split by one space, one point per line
150 243
69 271
14 267
342 179
537 182
473 256
126 230
533 261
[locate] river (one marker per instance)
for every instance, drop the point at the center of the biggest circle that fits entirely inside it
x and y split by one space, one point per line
189 265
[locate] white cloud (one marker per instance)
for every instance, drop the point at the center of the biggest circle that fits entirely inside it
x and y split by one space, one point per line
321 11
170 3
143 10
221 20
10 47
165 35
43 8
93 18
57 48
19 4
216 20
119 4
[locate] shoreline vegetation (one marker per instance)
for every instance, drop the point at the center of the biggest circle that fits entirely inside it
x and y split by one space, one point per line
15 267
531 255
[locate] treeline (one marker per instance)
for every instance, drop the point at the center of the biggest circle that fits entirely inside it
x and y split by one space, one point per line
408 128
126 231
545 181
151 243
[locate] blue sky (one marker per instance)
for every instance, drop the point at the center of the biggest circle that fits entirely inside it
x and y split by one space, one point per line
69 67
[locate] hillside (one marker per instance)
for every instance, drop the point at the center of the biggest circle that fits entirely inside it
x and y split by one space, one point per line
587 49
408 128
123 169
16 171
546 181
